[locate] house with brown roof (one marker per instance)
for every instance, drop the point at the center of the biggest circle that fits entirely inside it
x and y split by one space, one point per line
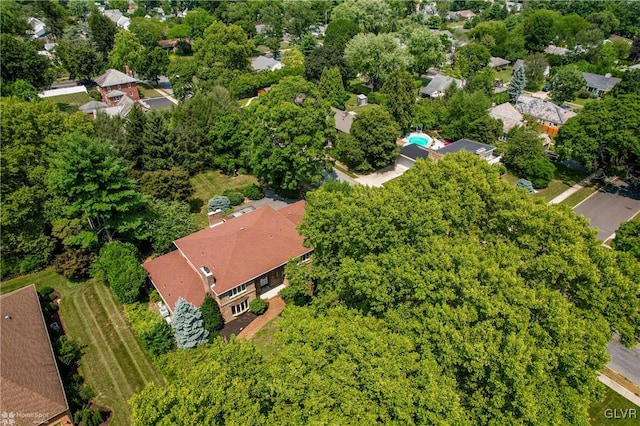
235 261
31 390
113 85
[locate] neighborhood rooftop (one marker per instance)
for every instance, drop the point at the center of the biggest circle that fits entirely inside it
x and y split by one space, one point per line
343 119
543 110
498 62
509 115
600 82
439 84
113 77
235 251
263 63
466 145
29 379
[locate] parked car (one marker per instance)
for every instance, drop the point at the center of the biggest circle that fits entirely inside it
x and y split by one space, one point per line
546 88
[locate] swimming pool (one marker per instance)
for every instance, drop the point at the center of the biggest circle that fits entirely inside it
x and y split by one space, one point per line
419 139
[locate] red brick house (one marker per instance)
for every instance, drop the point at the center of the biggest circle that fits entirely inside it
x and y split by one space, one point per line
31 390
113 85
235 261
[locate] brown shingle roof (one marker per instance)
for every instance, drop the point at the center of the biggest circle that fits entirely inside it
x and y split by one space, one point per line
236 252
29 377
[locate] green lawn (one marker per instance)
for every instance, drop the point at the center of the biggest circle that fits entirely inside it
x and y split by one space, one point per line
147 92
210 183
564 179
599 411
47 277
70 103
577 197
265 338
583 102
114 364
505 75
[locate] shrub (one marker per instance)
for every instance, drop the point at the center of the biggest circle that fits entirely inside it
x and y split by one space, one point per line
158 339
584 94
46 290
253 192
375 98
119 266
235 198
89 417
258 306
74 263
211 316
154 296
218 202
68 351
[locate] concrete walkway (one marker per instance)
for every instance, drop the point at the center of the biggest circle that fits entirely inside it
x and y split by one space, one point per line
619 389
575 188
276 306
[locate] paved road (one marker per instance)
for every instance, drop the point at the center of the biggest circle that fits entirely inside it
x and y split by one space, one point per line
624 361
158 102
343 177
610 206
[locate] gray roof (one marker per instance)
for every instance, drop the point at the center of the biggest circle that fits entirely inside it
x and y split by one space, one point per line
466 145
439 83
262 63
413 152
113 14
600 82
343 120
93 105
556 50
518 64
543 110
498 62
113 77
510 116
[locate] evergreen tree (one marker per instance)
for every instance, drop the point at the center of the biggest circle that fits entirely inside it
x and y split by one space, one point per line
218 202
211 315
517 84
132 149
103 33
400 94
188 326
331 87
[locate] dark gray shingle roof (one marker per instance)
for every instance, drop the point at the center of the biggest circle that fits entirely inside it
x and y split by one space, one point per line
467 145
600 82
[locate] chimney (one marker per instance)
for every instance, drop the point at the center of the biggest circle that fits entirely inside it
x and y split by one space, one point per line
127 70
209 279
215 218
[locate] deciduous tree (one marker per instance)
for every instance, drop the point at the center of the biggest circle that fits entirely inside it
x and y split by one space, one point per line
119 267
375 57
291 129
566 84
426 49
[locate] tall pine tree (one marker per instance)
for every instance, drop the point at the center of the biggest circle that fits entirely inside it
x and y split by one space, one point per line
188 326
517 84
331 87
400 94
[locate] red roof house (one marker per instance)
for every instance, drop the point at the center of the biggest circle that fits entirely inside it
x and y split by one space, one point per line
113 85
31 390
235 261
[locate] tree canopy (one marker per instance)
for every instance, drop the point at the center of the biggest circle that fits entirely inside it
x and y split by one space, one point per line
291 129
604 134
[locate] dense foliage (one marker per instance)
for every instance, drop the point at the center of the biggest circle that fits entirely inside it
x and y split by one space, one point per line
188 326
120 268
442 298
524 154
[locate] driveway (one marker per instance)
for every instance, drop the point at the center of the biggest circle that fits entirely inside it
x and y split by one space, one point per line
609 207
378 178
624 361
161 102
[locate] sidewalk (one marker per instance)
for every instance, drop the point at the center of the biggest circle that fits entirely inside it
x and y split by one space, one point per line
619 389
276 306
575 188
166 95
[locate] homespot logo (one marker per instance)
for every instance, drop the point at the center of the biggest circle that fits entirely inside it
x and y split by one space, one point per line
621 413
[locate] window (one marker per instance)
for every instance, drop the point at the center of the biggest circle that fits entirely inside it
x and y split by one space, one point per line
119 86
240 308
129 85
305 257
237 290
264 281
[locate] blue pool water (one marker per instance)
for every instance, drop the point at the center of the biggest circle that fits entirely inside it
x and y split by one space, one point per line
419 139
